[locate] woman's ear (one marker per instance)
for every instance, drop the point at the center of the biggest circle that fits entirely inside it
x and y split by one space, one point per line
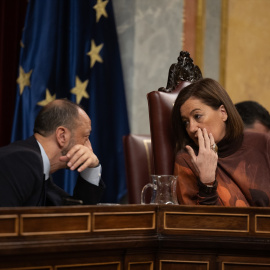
224 115
61 134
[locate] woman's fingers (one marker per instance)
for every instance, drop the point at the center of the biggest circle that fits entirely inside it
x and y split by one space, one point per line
212 140
206 139
191 152
193 157
203 139
200 139
205 162
212 143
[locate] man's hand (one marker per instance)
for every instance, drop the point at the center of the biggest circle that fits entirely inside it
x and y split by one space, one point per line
81 157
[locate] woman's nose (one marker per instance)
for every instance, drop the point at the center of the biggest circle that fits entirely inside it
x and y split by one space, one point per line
193 127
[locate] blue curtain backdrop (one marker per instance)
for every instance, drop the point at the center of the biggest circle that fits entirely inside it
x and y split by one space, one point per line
69 49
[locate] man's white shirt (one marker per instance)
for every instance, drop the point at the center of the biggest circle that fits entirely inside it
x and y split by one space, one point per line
91 175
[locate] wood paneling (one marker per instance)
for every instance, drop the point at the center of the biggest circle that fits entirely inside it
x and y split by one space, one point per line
206 222
183 265
145 237
113 221
262 224
141 266
37 224
91 266
9 225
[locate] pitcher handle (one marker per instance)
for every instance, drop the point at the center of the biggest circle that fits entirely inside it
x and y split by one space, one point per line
144 190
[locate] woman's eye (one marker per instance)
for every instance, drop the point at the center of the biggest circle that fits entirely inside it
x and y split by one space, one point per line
197 116
185 123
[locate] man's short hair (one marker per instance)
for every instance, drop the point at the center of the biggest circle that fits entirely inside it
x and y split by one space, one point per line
251 112
61 112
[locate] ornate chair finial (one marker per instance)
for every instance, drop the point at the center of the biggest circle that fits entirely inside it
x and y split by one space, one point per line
183 70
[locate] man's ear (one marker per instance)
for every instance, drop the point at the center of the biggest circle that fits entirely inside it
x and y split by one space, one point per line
224 115
62 135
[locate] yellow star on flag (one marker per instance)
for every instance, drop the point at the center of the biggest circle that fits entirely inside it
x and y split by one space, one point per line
100 9
48 99
21 44
23 79
94 53
80 90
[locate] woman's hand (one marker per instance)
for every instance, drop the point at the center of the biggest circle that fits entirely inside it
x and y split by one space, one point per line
206 160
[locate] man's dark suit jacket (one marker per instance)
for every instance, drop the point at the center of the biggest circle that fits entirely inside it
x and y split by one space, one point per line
22 180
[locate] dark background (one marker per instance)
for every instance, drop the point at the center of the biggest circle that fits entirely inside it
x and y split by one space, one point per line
11 26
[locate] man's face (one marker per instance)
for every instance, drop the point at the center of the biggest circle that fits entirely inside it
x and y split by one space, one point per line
80 135
258 127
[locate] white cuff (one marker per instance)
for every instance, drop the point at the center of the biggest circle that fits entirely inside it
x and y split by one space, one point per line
92 175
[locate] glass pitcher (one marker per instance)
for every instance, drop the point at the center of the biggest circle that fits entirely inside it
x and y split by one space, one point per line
163 190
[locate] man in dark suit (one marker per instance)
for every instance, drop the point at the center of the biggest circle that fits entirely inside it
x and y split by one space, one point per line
60 140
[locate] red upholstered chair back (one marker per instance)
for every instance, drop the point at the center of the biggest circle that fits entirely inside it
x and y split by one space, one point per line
160 106
139 164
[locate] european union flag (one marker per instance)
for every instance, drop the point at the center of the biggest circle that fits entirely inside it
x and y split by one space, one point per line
69 49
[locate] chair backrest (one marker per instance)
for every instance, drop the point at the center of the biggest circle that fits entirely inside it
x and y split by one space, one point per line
139 164
160 106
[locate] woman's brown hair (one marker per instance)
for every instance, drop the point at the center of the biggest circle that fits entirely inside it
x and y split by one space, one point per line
211 93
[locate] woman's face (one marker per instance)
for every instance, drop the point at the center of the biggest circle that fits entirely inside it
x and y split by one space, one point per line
195 114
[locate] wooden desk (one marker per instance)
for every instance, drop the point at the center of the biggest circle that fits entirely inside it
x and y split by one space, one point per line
133 237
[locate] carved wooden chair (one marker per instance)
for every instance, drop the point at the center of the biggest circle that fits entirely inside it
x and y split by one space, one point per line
160 104
139 164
